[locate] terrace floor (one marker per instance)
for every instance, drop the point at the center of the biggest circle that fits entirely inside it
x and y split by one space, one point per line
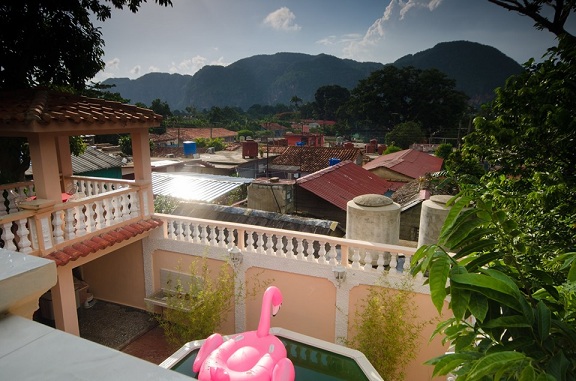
126 329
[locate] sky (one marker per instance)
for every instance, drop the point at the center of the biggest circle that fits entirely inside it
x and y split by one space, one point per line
193 33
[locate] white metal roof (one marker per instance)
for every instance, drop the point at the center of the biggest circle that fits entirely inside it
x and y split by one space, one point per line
195 187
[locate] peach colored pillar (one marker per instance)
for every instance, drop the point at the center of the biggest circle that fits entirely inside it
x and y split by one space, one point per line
45 167
64 157
142 165
64 302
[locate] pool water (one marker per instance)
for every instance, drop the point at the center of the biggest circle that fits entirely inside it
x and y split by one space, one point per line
310 363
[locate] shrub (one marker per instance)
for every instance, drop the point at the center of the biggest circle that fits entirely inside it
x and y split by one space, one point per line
385 323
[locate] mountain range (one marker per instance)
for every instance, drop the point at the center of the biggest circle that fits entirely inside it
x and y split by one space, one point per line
271 79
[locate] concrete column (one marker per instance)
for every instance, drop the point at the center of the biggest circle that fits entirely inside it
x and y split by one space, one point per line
432 218
64 302
45 167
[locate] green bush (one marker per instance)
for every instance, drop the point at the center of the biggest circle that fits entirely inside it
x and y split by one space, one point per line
387 329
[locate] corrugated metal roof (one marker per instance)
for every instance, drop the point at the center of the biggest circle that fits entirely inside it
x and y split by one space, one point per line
342 182
93 160
408 162
194 187
258 217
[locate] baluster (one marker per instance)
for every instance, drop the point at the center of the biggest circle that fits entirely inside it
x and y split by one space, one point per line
322 258
250 242
107 212
195 234
280 247
309 251
289 247
221 238
406 264
212 237
260 243
100 220
202 230
69 232
91 216
134 210
380 261
270 245
80 220
57 232
367 260
356 258
170 229
393 264
229 234
114 204
187 233
300 249
333 256
22 233
8 237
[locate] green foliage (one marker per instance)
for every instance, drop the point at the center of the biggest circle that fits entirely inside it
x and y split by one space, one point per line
37 37
165 204
405 134
245 133
197 311
388 311
199 307
444 150
392 95
391 149
161 107
513 305
217 143
125 143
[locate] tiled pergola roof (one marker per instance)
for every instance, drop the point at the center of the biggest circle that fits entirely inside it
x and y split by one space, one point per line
42 110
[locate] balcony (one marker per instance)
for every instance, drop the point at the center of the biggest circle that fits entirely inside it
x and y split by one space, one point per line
37 227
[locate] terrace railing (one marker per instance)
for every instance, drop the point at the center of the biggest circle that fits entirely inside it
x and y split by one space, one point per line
307 247
37 227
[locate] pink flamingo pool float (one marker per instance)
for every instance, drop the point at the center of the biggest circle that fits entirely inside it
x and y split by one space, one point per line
247 356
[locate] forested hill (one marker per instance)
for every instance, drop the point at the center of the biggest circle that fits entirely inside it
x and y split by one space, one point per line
276 78
478 69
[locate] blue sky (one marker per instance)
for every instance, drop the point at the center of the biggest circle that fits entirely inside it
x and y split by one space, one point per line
193 33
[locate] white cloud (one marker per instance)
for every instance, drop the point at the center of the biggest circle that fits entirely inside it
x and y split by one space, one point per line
153 69
191 66
282 19
113 64
135 70
360 48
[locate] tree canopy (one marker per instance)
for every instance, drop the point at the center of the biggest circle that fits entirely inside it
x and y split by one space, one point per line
506 255
395 95
54 43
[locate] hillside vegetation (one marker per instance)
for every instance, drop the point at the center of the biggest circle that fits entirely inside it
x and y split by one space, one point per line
273 79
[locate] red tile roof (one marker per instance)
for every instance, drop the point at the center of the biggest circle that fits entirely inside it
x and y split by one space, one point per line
312 159
342 182
32 110
92 245
192 133
408 162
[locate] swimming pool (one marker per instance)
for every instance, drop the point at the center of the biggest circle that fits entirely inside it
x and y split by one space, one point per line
313 359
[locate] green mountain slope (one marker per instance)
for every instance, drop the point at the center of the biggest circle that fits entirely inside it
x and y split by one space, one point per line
271 79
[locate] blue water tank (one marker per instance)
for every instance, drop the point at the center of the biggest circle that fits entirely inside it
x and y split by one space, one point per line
189 148
333 161
300 144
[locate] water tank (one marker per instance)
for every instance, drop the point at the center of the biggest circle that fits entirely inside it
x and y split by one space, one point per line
374 218
189 148
249 149
432 217
333 161
300 144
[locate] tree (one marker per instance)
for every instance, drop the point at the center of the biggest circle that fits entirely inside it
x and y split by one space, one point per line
395 95
160 107
444 150
53 43
511 274
328 99
296 101
405 134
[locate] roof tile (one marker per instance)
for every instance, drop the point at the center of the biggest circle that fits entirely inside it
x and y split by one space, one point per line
91 245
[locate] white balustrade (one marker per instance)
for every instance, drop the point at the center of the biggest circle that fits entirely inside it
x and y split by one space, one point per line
305 247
